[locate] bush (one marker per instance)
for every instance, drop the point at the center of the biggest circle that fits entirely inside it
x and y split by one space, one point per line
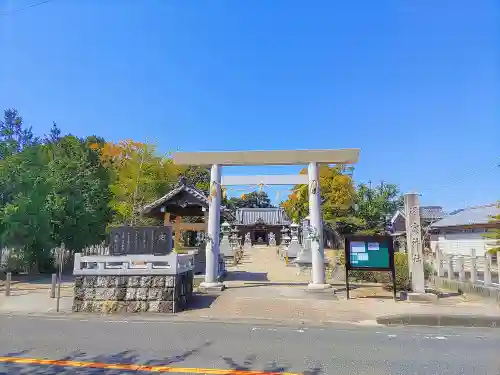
403 281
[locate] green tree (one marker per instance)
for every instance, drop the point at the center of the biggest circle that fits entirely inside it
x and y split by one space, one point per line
14 136
196 176
51 193
374 207
80 193
26 209
255 199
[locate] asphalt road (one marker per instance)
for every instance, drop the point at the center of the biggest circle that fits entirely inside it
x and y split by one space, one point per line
346 350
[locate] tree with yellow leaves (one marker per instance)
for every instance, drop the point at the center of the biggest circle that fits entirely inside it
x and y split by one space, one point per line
139 177
337 194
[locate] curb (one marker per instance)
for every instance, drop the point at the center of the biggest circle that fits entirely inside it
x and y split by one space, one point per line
432 320
250 320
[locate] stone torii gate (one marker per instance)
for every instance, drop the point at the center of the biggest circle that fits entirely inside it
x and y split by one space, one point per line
312 158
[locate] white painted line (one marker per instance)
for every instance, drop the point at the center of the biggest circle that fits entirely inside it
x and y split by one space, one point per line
391 336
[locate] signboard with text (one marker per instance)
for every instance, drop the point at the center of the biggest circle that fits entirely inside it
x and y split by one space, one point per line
373 252
369 253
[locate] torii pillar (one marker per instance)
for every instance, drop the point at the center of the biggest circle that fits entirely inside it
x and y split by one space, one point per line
212 246
318 281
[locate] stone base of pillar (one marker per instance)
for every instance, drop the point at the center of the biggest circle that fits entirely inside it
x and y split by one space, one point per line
319 287
421 297
212 287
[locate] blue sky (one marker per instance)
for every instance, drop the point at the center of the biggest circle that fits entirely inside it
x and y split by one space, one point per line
414 84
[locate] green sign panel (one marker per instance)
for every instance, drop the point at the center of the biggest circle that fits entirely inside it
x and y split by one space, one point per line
369 254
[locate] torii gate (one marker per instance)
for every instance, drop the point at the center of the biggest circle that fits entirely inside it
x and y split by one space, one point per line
283 157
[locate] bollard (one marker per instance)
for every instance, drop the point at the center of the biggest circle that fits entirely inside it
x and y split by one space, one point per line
450 266
487 269
8 279
286 260
473 266
53 286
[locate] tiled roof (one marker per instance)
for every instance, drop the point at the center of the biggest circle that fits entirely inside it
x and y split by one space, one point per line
469 216
269 216
183 186
171 194
431 212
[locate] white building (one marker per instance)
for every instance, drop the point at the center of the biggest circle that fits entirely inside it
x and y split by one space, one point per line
464 230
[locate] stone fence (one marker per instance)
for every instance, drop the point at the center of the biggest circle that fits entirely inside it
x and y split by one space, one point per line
143 264
133 283
468 273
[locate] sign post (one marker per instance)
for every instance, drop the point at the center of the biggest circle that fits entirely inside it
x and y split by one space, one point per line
60 261
369 253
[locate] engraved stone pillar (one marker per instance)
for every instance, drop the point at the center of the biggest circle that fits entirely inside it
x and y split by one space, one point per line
414 242
212 248
487 269
439 262
461 268
473 266
449 262
317 246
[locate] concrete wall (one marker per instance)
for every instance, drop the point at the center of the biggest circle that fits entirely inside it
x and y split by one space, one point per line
453 241
491 292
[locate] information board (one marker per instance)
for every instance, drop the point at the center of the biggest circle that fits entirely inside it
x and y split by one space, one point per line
369 253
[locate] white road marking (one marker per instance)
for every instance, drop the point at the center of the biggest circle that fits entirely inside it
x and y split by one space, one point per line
435 337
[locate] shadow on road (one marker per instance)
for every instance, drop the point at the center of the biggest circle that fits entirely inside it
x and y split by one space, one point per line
201 301
246 276
81 363
122 358
260 284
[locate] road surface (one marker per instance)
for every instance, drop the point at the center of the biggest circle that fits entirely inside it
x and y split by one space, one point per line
89 346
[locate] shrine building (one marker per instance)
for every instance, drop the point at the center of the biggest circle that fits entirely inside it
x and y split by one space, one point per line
260 222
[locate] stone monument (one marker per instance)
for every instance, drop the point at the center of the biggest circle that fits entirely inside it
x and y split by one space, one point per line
414 246
248 241
304 258
235 239
294 248
272 239
225 246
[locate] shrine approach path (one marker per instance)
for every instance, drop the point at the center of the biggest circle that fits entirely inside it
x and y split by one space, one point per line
261 264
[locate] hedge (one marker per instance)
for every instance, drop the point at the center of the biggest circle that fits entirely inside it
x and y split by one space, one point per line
403 281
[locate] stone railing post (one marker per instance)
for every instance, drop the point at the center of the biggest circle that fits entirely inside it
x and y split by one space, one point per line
487 269
473 266
461 268
439 263
498 266
449 258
